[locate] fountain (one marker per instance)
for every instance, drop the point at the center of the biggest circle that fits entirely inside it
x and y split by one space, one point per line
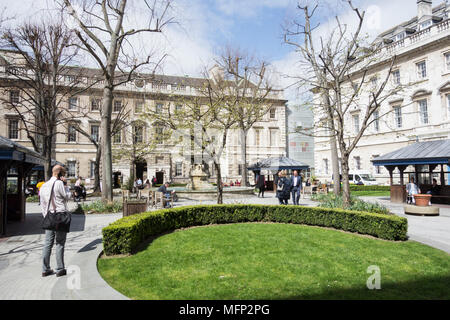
200 189
199 179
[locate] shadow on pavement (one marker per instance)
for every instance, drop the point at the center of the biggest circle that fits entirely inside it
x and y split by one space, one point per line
32 225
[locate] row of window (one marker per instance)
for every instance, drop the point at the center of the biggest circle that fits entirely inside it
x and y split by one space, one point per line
356 164
423 111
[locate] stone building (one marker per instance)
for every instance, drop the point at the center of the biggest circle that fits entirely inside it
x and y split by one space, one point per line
419 113
166 161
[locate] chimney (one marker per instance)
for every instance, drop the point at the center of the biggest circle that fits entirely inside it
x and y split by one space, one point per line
424 8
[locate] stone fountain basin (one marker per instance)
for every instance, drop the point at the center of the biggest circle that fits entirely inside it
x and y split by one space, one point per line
428 211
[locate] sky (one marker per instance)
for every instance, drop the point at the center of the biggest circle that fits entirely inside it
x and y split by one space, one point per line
255 26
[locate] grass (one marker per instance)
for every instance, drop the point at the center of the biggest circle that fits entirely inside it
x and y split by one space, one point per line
371 193
277 261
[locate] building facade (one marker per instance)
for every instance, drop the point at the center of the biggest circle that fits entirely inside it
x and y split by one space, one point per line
421 112
166 161
300 146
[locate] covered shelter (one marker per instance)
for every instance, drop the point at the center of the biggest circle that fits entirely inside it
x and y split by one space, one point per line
16 162
271 166
424 161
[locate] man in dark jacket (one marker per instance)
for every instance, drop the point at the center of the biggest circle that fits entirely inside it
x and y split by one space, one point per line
296 183
166 192
260 184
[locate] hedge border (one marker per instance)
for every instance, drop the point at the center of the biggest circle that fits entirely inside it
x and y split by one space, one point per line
125 235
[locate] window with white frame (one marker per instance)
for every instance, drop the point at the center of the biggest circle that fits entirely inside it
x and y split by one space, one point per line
13 129
421 70
71 134
117 139
178 108
73 103
139 107
95 132
272 114
138 133
356 123
377 168
95 104
159 134
71 169
447 61
257 137
117 106
92 169
400 36
398 117
325 166
425 24
357 163
14 96
376 121
179 169
396 77
273 137
448 103
159 108
423 111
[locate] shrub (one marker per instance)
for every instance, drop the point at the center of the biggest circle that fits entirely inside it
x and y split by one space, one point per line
33 198
356 204
125 235
99 207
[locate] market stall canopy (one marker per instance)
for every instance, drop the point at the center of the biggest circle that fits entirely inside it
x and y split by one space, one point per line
12 151
420 153
275 164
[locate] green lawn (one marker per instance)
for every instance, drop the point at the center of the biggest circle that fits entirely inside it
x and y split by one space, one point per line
277 261
371 193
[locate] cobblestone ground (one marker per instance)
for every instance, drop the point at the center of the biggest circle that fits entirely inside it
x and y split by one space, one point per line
21 249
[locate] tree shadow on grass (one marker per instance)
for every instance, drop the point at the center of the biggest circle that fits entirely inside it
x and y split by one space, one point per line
422 288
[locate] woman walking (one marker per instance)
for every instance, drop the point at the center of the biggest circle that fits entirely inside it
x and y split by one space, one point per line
261 185
283 188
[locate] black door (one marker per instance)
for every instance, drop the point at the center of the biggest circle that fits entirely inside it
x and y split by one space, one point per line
159 177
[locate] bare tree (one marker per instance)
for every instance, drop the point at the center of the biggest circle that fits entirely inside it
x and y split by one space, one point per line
39 81
249 92
204 121
118 125
342 75
101 30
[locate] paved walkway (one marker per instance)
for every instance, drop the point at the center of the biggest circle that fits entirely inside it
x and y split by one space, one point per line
20 253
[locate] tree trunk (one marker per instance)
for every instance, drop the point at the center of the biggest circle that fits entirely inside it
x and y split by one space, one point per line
345 181
333 146
98 157
219 183
244 179
47 153
107 188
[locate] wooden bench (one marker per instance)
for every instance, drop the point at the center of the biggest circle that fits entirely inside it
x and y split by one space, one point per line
439 197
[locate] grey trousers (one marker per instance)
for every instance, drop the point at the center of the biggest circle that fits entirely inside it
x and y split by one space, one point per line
50 237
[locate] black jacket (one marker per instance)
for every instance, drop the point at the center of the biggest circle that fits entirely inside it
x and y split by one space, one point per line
285 192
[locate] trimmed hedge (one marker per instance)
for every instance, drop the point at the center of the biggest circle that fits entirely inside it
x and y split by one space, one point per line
355 187
126 234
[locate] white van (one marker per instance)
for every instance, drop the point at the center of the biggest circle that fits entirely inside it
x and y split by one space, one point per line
362 178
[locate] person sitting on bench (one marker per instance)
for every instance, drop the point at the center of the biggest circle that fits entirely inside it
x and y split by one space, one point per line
412 189
167 193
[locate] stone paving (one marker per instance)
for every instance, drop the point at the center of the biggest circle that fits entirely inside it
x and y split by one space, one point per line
21 249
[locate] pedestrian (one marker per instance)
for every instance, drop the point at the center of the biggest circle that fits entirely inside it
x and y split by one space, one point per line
261 185
283 188
412 189
296 183
54 196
